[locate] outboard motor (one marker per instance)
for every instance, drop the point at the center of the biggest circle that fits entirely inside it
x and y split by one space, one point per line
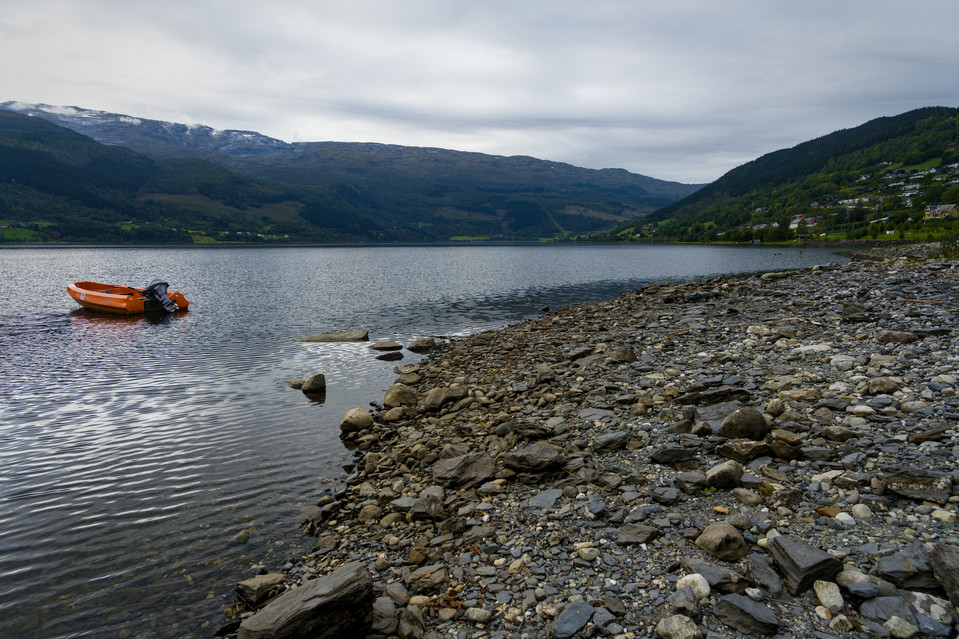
157 297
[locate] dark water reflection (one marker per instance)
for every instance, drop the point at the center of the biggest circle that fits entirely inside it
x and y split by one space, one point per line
132 450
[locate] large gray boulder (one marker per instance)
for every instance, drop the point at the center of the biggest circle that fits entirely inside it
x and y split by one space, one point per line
722 540
337 606
746 423
464 471
436 398
355 420
315 384
724 475
400 395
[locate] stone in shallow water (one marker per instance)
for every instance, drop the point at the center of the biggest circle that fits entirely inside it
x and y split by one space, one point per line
258 589
422 345
355 335
355 420
314 384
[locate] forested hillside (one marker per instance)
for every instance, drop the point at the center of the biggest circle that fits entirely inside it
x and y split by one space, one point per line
872 180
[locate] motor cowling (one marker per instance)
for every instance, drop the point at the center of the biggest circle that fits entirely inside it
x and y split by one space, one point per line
157 291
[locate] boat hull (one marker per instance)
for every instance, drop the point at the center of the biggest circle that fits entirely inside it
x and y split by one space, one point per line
119 300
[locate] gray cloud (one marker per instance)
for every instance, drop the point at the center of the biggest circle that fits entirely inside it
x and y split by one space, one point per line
684 90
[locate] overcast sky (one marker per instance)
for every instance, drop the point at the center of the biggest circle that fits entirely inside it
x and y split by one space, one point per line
681 90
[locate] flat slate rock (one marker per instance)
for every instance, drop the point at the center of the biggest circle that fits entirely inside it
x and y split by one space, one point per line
801 563
572 620
882 608
258 589
917 483
546 498
386 345
760 569
908 569
944 559
464 471
354 335
333 606
536 458
747 616
718 577
596 414
636 534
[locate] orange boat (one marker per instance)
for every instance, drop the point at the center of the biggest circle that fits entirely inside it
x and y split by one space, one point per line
127 300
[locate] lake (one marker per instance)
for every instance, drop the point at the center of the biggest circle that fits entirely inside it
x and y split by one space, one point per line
133 450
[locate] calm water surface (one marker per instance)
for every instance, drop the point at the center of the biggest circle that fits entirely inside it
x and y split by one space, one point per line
132 450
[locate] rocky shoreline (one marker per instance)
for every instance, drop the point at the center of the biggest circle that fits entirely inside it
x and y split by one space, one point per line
773 455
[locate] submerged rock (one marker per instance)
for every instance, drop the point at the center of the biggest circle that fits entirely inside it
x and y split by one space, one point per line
314 384
353 335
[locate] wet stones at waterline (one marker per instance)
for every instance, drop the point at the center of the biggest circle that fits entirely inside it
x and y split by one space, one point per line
750 438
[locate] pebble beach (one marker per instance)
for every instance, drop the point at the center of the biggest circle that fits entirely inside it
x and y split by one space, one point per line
772 455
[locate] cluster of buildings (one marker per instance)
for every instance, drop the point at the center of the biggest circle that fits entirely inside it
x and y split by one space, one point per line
908 186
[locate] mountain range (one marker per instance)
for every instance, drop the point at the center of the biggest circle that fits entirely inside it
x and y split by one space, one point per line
73 174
